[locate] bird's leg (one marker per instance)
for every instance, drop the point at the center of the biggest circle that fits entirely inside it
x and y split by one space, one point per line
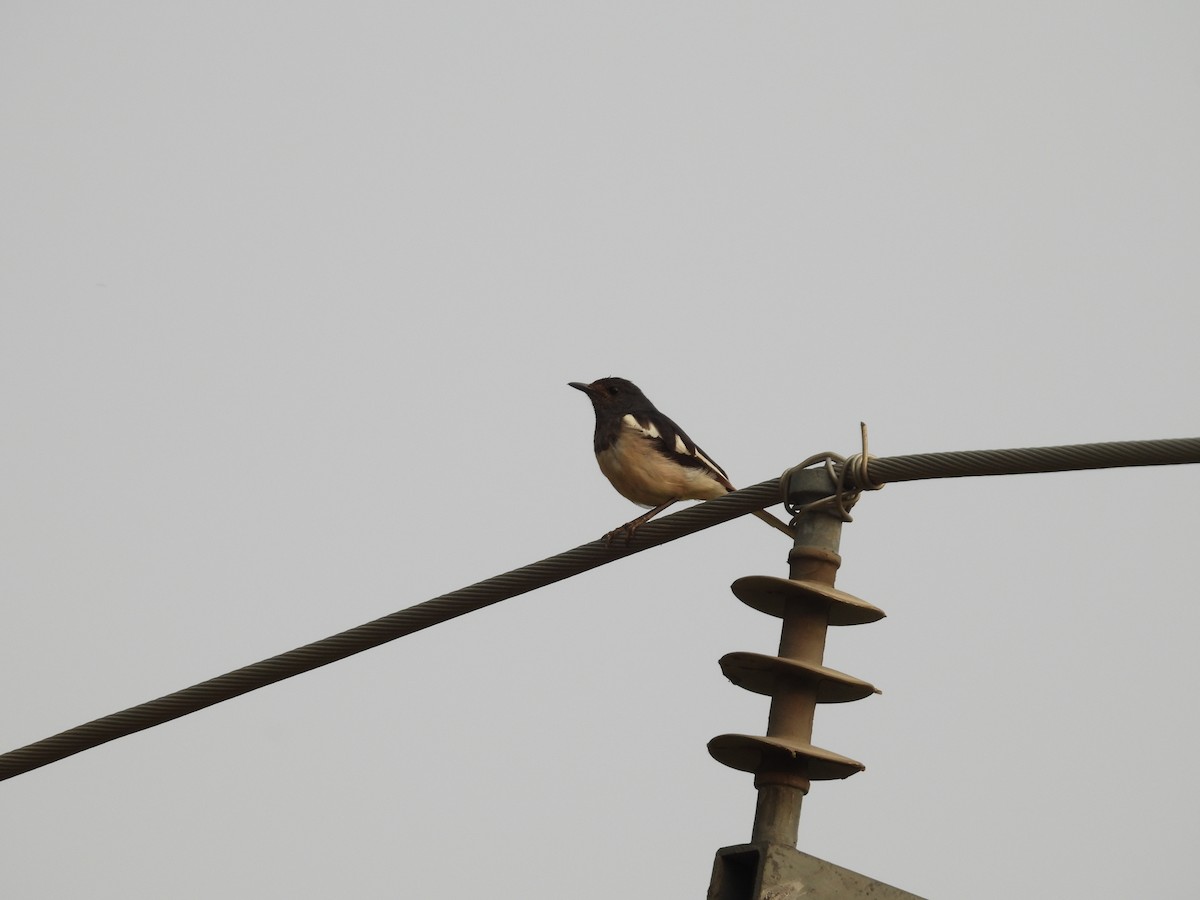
630 527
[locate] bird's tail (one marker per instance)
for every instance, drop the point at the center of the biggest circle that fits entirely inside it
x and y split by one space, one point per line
775 523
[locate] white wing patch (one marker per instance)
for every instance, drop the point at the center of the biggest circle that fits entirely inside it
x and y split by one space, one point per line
708 462
648 429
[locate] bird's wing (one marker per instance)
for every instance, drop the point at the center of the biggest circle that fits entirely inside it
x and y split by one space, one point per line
672 441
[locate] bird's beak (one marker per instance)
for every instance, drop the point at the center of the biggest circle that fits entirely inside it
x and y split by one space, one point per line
580 386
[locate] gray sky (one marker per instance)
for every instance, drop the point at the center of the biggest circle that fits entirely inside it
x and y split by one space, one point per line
290 297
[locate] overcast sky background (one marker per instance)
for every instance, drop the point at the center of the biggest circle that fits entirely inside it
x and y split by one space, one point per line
291 293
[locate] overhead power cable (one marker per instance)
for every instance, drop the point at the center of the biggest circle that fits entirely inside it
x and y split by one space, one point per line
875 471
1028 460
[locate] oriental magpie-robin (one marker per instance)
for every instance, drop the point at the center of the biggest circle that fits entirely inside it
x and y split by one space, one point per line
648 458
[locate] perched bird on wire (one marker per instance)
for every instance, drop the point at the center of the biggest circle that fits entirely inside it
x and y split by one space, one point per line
648 458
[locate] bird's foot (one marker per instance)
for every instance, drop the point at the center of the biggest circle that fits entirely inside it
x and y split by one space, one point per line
627 529
630 527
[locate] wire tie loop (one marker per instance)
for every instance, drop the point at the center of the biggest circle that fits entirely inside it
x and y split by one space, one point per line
857 465
841 471
835 466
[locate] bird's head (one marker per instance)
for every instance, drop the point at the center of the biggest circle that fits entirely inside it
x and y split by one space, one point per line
616 394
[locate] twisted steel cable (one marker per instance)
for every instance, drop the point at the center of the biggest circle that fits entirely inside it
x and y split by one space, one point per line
572 562
962 463
364 637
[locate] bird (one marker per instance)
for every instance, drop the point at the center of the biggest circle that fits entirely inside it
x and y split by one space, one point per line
648 458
